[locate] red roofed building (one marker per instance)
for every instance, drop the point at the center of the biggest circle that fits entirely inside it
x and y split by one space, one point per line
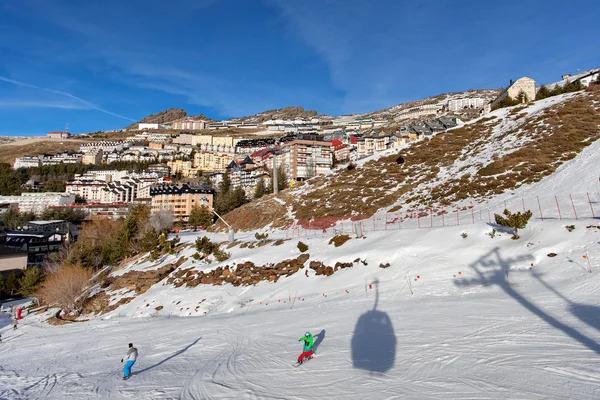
340 150
58 135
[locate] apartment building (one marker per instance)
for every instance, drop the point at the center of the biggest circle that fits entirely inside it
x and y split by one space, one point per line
188 124
110 186
209 162
105 211
38 202
93 156
105 146
27 162
180 198
185 168
467 102
308 158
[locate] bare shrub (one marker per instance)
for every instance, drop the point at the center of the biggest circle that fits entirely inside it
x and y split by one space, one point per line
64 288
162 220
339 240
302 247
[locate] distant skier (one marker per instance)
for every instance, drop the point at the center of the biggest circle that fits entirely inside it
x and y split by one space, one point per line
131 356
307 350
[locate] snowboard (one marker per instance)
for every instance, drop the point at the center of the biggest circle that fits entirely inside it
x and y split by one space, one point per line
297 364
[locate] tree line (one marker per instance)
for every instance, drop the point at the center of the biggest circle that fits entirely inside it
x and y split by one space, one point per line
53 177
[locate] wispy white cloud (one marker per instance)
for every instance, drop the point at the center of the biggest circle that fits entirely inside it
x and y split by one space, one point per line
26 103
84 103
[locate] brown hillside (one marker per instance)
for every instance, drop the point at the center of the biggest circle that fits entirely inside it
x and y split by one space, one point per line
447 168
160 117
35 146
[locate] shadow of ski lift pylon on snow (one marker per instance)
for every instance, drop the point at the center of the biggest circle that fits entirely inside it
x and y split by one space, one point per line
373 343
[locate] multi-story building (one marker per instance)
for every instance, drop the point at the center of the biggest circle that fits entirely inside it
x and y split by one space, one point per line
185 168
27 162
93 156
106 211
209 162
161 170
180 199
188 123
224 141
418 111
110 186
105 146
308 158
58 135
467 102
106 175
38 202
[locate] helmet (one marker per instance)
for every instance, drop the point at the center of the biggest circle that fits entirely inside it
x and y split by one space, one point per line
307 334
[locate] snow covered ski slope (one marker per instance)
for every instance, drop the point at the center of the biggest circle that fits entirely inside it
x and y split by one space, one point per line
482 323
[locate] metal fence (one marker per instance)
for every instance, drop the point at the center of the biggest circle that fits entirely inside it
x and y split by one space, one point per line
569 207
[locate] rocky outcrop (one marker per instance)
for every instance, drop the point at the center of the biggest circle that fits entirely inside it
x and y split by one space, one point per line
243 274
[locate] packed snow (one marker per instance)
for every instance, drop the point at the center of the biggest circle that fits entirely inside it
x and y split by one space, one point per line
487 318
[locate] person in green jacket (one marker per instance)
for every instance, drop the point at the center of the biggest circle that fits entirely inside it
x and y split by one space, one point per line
307 350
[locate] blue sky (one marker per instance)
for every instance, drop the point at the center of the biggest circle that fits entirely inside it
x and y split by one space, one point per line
100 65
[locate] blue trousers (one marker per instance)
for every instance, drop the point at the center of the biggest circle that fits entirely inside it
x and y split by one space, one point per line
127 368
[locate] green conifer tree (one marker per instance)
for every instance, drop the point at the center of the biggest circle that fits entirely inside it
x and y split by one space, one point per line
31 280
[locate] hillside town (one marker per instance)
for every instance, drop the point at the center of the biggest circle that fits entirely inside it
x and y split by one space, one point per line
185 161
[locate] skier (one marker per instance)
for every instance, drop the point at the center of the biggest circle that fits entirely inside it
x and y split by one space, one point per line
131 356
307 350
15 324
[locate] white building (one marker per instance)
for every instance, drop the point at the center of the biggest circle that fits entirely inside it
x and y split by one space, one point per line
110 186
27 162
467 102
106 147
188 124
38 202
141 127
585 78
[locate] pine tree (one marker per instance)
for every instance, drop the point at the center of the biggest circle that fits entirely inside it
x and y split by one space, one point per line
515 221
11 284
238 197
260 189
31 281
282 179
225 185
200 216
542 93
521 97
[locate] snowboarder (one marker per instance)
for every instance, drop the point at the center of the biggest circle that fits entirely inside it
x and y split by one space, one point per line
307 350
131 356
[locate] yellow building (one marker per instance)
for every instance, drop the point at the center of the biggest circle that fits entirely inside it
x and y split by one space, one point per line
180 199
212 162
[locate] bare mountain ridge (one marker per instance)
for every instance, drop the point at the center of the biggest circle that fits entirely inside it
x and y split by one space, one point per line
295 112
286 113
169 115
